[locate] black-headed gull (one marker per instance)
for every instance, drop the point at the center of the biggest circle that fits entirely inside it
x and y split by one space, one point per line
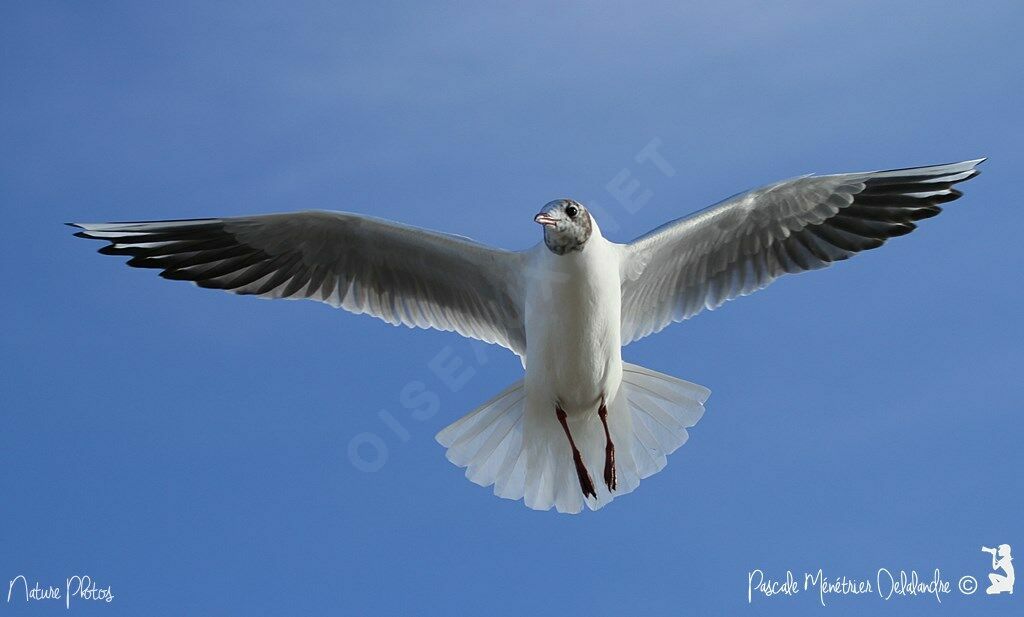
566 306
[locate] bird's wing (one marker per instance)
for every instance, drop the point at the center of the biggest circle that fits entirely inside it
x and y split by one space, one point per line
397 273
745 242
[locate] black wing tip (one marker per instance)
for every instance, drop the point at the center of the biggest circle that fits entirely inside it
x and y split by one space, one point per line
901 229
973 163
153 221
110 249
172 274
85 226
84 233
952 195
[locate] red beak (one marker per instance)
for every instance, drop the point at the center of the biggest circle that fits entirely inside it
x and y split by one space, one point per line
544 219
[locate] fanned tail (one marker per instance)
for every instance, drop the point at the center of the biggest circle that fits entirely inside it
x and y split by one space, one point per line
488 442
525 455
661 407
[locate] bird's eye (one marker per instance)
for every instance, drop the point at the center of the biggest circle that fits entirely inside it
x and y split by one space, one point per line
572 211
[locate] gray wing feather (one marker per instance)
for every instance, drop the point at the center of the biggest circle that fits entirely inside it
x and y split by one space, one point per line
744 243
400 274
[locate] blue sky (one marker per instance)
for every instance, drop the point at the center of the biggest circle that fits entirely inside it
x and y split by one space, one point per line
190 448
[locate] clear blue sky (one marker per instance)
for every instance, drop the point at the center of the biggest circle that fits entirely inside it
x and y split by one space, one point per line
189 448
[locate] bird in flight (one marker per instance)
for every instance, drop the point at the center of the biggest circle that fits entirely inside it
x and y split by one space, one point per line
566 307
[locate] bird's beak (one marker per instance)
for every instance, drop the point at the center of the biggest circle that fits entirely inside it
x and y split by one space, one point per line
545 220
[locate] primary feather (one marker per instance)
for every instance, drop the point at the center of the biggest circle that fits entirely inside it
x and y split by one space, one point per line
745 242
400 274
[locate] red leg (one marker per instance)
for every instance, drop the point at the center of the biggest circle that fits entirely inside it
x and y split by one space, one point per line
586 482
609 450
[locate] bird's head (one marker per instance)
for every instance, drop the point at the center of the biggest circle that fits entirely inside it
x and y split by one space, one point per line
567 225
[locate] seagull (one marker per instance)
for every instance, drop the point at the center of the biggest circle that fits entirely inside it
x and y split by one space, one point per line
566 307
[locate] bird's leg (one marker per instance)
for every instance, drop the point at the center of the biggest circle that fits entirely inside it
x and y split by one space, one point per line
586 482
609 450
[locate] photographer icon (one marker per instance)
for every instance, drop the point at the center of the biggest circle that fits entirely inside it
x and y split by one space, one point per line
1001 583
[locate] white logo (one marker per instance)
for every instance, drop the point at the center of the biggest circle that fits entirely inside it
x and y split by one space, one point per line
1001 560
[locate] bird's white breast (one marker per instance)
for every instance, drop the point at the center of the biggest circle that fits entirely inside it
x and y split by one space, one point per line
573 345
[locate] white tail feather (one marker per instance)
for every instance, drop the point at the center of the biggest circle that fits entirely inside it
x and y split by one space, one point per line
525 454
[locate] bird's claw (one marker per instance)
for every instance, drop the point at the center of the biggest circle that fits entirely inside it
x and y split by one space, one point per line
610 479
586 482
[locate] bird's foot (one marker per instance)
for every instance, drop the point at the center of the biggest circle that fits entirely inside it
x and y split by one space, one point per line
609 467
609 450
586 482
